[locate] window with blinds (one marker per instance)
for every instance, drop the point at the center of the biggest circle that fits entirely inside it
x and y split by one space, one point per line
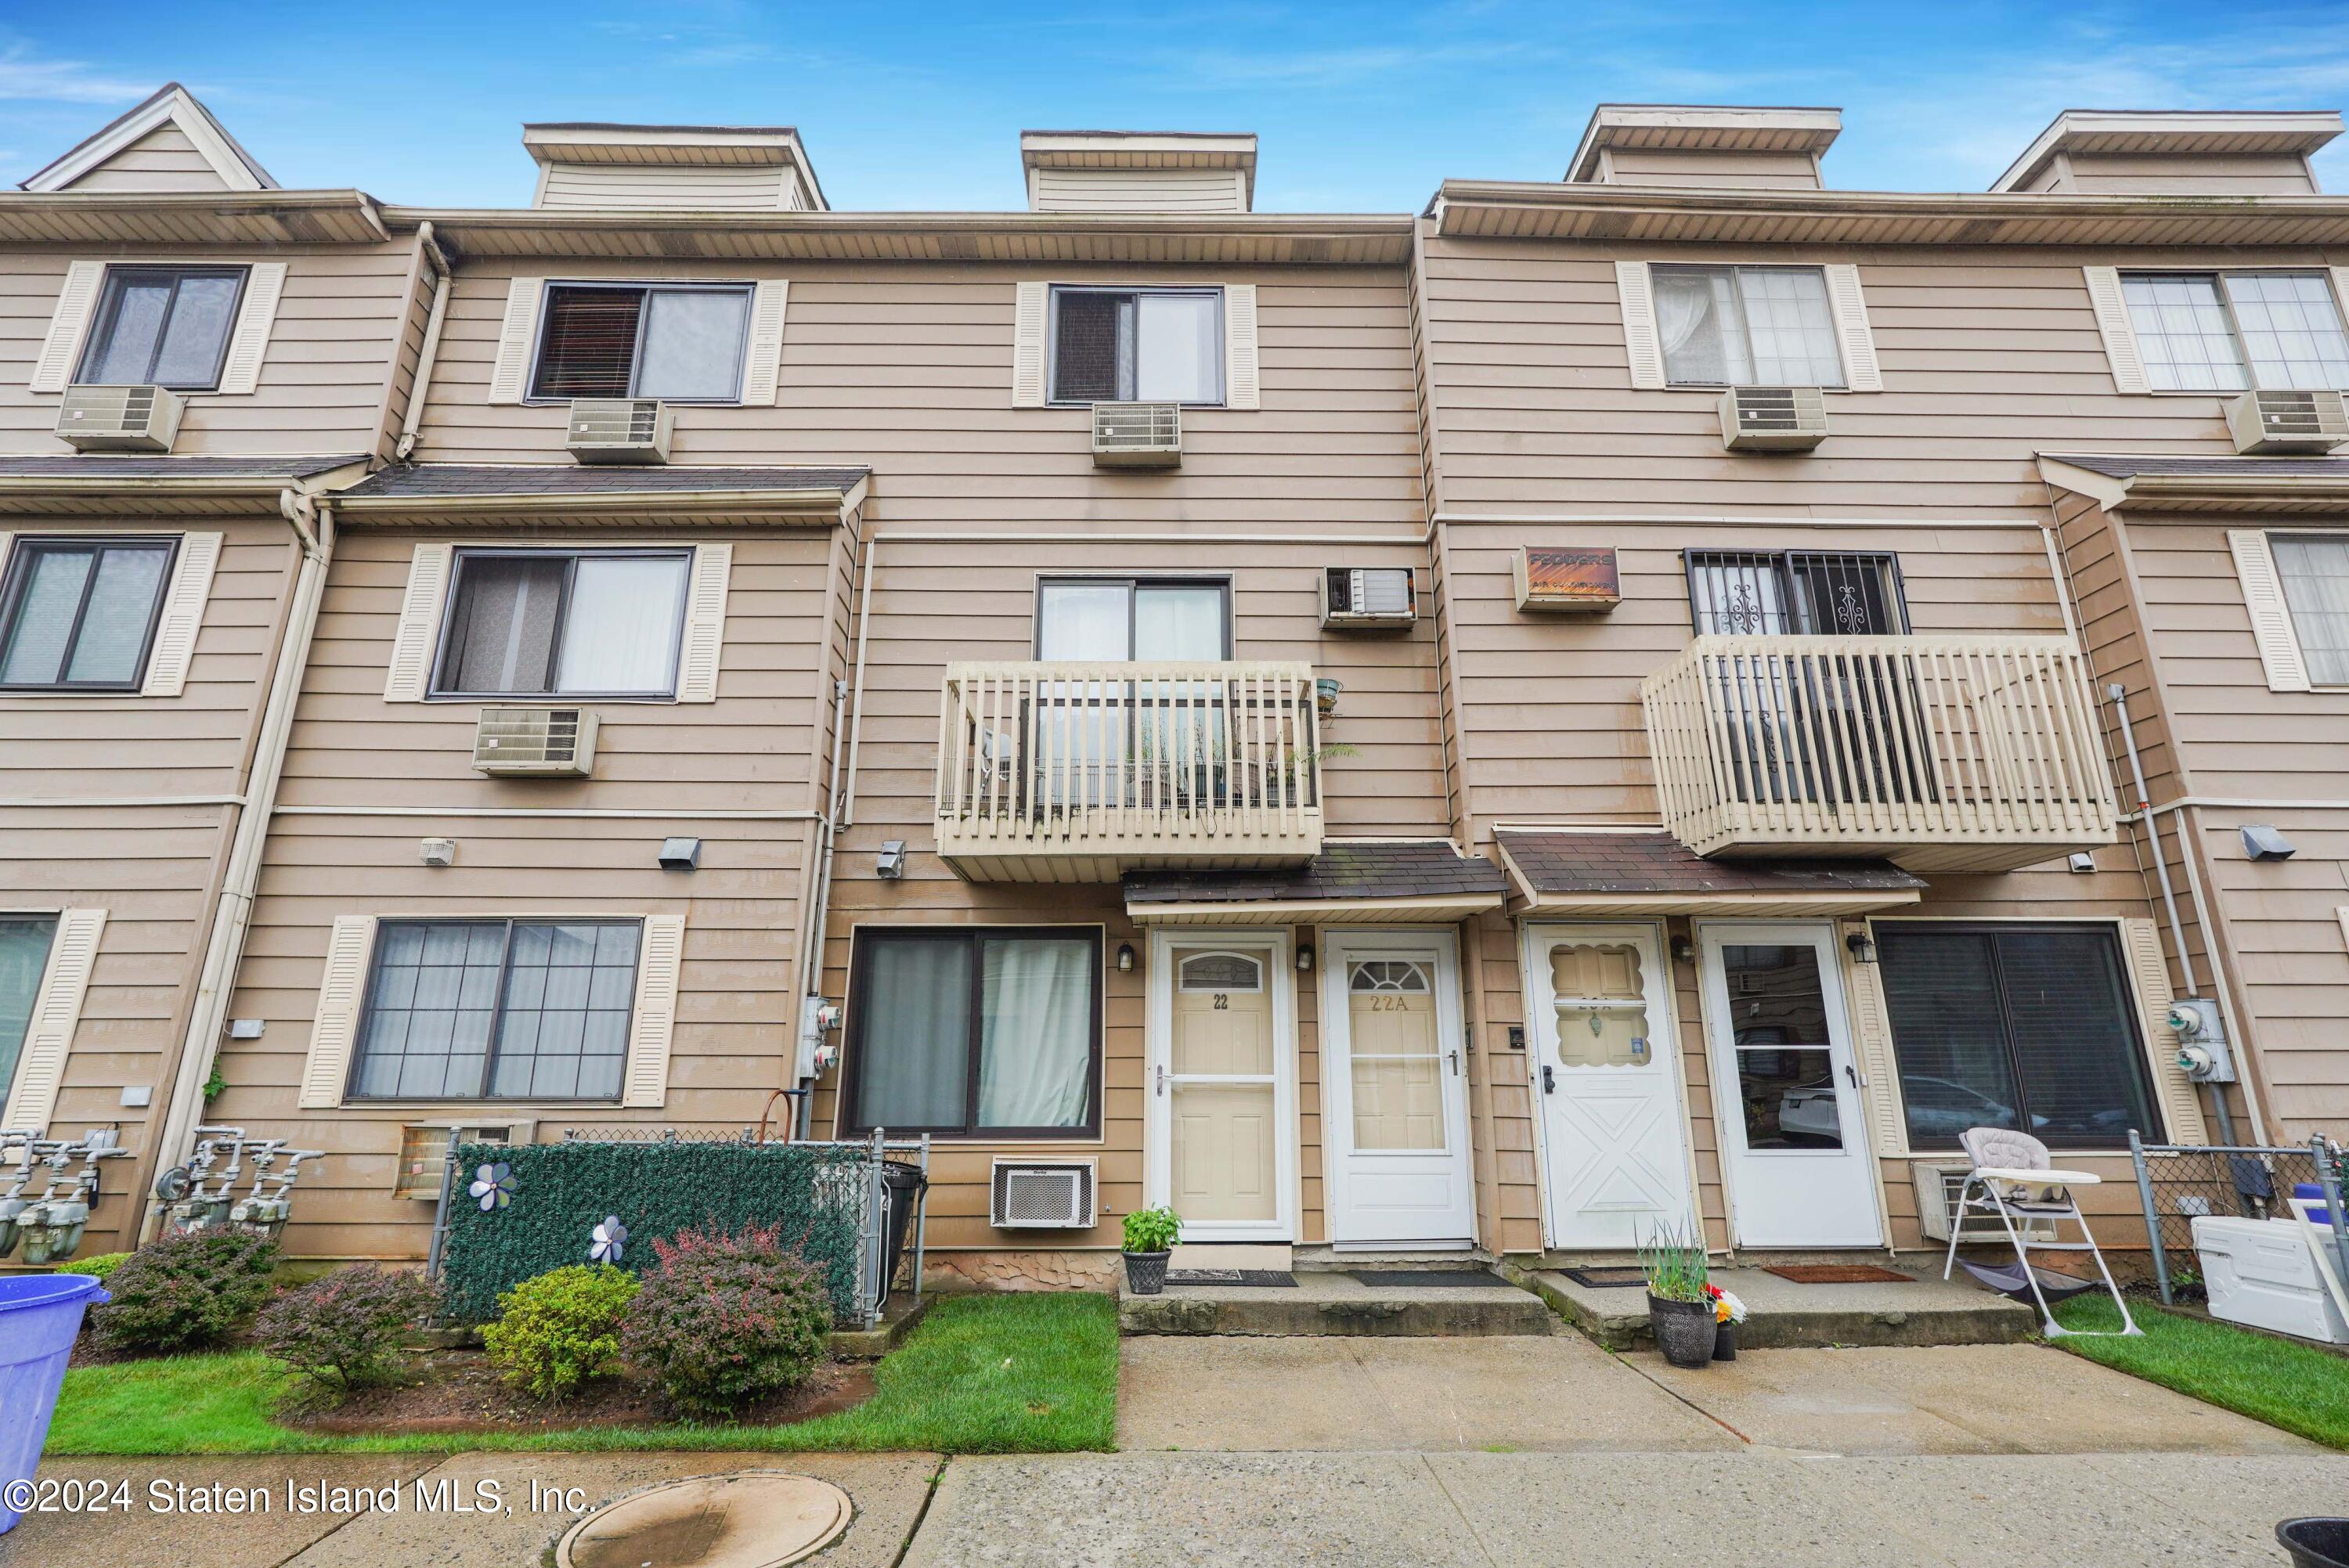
682 343
2028 1028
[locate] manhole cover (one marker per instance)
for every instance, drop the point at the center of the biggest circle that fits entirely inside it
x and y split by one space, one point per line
755 1519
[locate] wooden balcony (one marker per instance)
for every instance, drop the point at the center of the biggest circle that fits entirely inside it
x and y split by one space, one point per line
1077 772
1941 754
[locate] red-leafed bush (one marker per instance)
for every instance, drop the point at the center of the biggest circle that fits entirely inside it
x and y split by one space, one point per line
726 1320
343 1330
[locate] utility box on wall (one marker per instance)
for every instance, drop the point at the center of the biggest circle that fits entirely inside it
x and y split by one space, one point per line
1576 581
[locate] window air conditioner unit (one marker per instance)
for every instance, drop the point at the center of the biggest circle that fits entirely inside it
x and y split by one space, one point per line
536 742
1367 598
1772 419
1137 435
1033 1195
1938 1188
620 429
424 1151
2275 424
119 418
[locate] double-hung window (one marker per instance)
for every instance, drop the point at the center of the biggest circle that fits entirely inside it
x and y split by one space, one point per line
985 1033
2230 331
2314 569
166 326
682 343
1150 346
1746 326
2027 1027
24 958
497 1010
563 623
80 615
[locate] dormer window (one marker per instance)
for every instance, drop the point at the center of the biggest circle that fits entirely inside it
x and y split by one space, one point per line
679 343
1129 345
163 327
2229 332
1746 326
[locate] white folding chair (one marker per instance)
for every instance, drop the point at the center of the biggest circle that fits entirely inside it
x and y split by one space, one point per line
2013 1178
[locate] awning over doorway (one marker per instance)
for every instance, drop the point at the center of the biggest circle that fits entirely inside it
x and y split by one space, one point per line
1395 882
1582 872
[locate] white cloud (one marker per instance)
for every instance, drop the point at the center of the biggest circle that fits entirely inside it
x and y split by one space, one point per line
23 78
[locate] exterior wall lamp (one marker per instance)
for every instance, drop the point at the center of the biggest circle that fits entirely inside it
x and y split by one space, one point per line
1125 957
1305 958
1862 946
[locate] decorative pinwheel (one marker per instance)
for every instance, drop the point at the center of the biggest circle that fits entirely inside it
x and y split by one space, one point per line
609 1241
494 1186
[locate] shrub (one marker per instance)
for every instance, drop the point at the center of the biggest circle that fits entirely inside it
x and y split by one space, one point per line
553 1333
181 1292
724 1320
98 1268
343 1330
1151 1230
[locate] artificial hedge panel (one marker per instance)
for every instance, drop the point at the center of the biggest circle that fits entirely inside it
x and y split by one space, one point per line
561 1191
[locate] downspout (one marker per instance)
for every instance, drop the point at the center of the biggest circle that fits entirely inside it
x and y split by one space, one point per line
819 904
410 423
2215 1094
314 524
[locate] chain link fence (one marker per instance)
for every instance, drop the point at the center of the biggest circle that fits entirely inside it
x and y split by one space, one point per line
2179 1183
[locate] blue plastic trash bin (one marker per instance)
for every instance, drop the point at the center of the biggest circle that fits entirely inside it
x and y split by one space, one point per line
2313 1192
39 1315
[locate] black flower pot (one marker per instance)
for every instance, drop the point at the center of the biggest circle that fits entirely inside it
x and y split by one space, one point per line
1146 1272
1684 1330
1725 1341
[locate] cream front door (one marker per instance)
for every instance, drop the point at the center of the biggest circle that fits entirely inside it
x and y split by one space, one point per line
1395 1091
1607 1075
1223 1144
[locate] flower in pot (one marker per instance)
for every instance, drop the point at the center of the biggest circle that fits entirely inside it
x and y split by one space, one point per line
1728 1311
1149 1241
1681 1311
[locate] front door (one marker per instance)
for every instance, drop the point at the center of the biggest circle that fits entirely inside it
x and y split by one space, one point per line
1606 1074
1793 1139
1221 1142
1396 1091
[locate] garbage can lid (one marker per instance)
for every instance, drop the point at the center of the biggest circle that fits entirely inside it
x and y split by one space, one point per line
18 1292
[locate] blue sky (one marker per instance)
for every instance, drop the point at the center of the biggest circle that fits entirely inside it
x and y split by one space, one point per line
1360 107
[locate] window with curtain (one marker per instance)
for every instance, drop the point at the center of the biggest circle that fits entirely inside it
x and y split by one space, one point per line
975 1032
24 957
1123 345
166 326
1746 326
497 1010
683 344
77 615
2314 569
557 622
2227 332
2026 1027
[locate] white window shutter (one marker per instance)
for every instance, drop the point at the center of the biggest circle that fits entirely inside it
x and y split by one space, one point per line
57 1014
705 624
327 1067
510 377
1242 386
1032 302
1640 341
1860 371
657 962
2341 291
2181 1107
763 360
1872 1038
183 616
249 342
2111 306
419 623
61 350
2272 628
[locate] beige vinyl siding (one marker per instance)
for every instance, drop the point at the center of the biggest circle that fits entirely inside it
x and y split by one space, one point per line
2269 174
2285 930
162 160
730 188
339 317
1138 191
1712 170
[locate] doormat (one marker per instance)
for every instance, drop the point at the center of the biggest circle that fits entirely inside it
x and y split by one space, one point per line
1607 1278
1839 1274
1274 1278
1421 1279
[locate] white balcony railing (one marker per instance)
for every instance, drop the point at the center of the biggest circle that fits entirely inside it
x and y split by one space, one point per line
1940 753
1074 771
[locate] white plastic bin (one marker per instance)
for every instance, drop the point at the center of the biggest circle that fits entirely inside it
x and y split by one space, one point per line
2260 1273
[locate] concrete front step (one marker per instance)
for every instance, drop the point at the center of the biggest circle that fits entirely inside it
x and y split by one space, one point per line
1782 1314
1337 1303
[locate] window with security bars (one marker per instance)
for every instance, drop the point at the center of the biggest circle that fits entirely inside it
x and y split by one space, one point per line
1796 593
1746 326
682 344
2230 331
2024 1026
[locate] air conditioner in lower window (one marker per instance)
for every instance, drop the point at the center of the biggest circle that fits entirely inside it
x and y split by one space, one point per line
620 429
1042 1196
424 1151
1937 1188
536 742
94 418
1772 419
1137 435
2276 424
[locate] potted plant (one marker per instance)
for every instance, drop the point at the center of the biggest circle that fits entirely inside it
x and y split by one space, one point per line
1149 1241
1679 1310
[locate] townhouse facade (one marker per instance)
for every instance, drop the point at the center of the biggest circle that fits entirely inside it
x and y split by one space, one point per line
1583 708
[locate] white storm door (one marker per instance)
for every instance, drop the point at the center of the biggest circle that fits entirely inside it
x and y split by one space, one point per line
1223 1084
1794 1136
1395 1091
1607 1075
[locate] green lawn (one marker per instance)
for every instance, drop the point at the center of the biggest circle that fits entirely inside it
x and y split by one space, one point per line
2295 1387
983 1374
